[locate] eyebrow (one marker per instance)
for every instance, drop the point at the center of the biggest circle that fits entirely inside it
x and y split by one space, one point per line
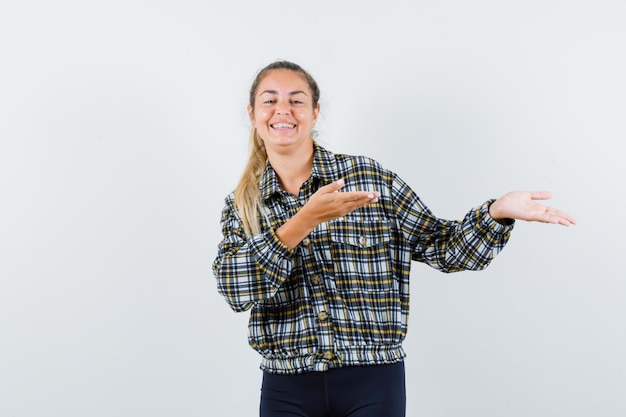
293 93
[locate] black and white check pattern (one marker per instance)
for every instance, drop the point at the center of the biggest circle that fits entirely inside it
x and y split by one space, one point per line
342 296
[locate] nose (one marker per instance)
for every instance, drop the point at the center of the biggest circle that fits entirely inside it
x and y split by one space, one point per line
283 108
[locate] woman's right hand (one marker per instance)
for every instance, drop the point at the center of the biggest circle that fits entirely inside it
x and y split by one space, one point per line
328 203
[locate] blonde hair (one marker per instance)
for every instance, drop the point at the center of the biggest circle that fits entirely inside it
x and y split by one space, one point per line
247 194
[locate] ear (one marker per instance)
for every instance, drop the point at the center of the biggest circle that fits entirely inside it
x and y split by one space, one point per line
251 114
316 113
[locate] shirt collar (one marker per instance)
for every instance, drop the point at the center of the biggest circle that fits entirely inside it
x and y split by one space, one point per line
324 169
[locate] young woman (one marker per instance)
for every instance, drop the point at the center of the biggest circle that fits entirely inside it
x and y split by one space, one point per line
319 247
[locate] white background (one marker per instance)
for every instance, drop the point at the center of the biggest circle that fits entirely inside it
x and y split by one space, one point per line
123 127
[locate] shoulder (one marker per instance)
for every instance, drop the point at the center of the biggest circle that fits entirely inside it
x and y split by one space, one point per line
362 164
349 160
229 208
345 164
229 200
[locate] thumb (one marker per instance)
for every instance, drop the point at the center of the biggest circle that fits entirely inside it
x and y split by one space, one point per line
541 195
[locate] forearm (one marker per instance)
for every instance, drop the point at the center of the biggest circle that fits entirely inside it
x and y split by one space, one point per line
467 245
295 229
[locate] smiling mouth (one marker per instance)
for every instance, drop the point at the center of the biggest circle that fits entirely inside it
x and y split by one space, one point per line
283 126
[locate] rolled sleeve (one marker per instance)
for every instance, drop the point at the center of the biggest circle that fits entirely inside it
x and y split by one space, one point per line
249 270
449 245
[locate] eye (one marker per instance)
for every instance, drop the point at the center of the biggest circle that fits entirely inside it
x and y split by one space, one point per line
269 101
296 102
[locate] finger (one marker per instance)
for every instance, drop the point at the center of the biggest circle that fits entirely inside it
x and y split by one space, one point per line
360 195
554 216
334 186
356 199
559 220
560 217
565 219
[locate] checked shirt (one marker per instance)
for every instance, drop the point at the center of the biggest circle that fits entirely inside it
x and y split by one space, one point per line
341 297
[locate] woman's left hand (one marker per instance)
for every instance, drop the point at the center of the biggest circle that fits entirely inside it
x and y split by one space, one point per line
523 205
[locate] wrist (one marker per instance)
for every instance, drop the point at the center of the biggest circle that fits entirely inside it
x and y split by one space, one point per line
492 209
494 212
294 230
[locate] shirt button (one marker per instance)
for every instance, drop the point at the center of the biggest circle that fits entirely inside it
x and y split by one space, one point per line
328 355
362 241
322 316
306 241
315 280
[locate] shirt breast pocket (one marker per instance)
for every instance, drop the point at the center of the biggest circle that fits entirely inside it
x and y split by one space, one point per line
360 249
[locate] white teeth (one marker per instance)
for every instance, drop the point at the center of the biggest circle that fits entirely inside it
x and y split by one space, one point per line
283 126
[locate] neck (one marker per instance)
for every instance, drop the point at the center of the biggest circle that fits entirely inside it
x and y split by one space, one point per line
292 169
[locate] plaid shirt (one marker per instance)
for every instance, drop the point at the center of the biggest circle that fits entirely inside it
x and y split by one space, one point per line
341 297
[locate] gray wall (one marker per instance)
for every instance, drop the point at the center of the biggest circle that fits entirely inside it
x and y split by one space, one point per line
123 126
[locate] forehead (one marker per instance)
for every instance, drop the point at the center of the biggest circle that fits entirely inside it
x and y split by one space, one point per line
283 81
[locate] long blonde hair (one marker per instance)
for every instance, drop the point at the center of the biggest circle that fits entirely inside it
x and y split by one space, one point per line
247 194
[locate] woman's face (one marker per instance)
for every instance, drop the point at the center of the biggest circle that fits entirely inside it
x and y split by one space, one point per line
283 112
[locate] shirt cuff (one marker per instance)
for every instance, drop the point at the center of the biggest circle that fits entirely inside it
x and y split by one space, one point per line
502 225
281 249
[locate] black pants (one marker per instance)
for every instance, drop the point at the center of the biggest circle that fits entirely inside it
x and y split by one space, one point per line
355 391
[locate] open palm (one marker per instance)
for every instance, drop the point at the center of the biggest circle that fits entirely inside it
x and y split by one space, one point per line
524 205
